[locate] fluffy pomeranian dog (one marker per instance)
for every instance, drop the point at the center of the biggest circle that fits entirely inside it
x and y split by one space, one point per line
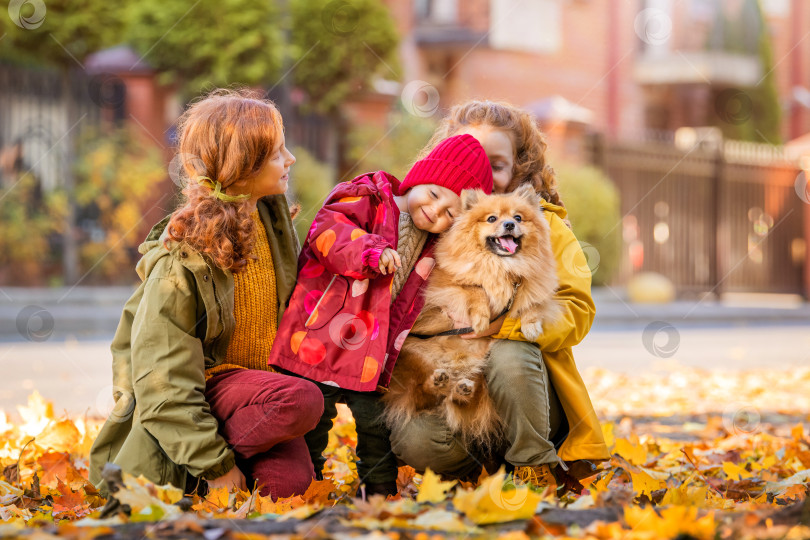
495 259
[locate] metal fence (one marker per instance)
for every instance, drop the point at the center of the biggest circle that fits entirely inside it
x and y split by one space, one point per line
718 217
40 116
44 115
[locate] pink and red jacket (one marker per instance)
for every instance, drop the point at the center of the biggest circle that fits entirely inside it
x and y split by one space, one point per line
341 327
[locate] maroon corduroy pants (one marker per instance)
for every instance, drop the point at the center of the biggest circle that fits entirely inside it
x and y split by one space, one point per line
263 416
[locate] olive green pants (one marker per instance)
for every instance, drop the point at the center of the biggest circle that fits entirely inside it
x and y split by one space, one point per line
531 412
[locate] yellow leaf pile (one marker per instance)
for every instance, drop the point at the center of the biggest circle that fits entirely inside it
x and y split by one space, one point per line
704 476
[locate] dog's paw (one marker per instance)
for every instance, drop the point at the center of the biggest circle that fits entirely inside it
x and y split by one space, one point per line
440 378
465 388
532 330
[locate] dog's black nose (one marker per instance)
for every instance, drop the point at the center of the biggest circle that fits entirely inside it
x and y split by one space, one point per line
509 225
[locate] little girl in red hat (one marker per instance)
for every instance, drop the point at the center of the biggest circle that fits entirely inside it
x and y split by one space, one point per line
361 272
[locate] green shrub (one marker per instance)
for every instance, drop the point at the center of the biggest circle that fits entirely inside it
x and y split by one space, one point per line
593 208
310 183
116 175
392 149
30 220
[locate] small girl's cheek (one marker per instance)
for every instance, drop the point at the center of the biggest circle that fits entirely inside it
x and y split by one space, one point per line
443 226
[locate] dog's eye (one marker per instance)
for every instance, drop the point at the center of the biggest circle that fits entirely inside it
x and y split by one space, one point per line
492 219
518 218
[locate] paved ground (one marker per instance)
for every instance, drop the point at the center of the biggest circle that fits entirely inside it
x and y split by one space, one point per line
710 347
76 375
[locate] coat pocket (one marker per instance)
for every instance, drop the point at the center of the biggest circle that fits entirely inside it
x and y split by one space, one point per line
329 304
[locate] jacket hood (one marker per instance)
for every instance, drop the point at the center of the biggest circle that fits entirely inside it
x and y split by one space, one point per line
550 207
372 183
152 248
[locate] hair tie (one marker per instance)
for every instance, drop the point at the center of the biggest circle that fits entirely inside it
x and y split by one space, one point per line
216 188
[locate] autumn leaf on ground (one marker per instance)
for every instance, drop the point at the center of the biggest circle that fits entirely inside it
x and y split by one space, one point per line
631 450
405 484
433 490
497 500
320 492
57 465
672 522
779 489
36 415
68 503
145 499
61 436
670 472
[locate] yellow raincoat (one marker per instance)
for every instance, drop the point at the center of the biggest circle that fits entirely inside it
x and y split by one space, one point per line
585 440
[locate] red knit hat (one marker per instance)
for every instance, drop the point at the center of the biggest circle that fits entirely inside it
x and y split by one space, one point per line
456 163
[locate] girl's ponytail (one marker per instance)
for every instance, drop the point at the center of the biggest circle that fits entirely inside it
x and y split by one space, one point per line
222 230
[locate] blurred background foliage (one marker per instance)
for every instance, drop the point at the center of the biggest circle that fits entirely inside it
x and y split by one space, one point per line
311 181
116 178
592 201
317 54
217 43
360 42
222 42
392 148
336 48
758 107
71 30
31 219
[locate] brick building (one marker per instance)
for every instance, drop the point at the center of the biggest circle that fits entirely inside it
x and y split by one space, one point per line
636 64
637 70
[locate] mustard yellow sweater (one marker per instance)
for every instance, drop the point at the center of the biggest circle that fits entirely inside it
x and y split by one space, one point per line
255 311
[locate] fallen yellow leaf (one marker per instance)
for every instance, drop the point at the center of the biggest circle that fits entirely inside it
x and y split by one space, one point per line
734 471
634 453
497 501
433 490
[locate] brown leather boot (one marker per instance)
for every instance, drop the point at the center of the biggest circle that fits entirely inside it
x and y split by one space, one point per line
539 476
581 468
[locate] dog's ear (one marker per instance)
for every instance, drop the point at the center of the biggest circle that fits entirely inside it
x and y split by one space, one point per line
526 190
469 197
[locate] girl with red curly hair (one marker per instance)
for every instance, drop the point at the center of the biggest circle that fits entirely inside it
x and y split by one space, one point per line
194 397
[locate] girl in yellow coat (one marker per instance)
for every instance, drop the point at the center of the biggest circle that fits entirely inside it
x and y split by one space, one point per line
553 435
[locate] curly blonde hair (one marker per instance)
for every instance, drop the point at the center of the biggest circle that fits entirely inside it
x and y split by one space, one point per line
226 136
530 143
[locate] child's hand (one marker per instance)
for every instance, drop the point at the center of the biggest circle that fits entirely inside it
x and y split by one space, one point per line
229 480
389 261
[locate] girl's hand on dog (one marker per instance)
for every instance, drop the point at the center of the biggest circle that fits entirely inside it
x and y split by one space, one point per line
389 261
493 329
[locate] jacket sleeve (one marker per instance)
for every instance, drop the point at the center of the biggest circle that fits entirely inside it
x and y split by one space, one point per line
340 237
573 295
169 378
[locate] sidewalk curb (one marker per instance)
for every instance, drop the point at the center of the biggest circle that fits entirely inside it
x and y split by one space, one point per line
95 311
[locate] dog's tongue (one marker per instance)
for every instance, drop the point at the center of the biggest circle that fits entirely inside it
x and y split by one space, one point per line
507 243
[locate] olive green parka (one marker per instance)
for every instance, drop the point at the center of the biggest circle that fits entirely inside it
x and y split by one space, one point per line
178 323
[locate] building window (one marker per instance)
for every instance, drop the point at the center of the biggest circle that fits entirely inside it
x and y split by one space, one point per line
525 25
437 11
776 8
